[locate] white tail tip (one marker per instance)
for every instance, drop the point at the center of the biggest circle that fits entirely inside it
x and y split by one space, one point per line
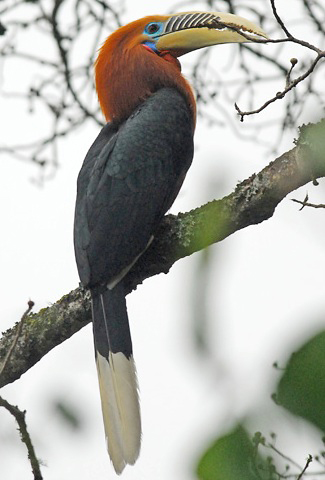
120 406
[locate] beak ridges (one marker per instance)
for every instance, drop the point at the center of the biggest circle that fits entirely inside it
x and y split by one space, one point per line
212 20
188 20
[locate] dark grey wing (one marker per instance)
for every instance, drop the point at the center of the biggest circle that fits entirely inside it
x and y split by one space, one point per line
134 180
105 140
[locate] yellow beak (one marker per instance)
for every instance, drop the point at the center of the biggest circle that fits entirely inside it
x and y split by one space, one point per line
190 31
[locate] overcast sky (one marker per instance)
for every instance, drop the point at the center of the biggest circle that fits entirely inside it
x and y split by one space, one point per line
265 294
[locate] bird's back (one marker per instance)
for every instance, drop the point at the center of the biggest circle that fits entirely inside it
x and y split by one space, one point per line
129 179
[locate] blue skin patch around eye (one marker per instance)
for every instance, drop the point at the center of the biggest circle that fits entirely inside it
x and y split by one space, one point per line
159 30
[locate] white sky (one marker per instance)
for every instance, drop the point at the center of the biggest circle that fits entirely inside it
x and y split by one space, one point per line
265 294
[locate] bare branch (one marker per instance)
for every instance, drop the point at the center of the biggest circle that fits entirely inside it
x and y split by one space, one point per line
255 39
313 16
25 437
308 462
58 37
304 203
289 86
15 411
214 88
278 19
63 82
16 337
260 441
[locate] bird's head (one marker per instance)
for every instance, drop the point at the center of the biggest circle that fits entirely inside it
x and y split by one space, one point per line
141 57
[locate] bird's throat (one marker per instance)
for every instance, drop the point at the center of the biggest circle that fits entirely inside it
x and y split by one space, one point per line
170 58
126 78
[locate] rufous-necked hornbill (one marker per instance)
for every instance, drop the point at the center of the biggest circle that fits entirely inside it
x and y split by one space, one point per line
129 179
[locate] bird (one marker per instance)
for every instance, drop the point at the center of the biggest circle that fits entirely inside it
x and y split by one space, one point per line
129 179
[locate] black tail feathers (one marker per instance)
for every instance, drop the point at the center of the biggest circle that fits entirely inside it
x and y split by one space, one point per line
110 321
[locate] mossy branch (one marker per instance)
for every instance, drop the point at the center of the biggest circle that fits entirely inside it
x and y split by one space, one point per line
253 201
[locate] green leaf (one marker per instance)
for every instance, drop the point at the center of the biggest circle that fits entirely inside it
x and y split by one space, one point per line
312 136
301 389
233 457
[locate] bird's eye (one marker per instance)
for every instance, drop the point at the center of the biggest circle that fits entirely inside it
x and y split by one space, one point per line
152 28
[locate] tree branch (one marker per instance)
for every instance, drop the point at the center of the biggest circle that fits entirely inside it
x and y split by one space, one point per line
290 84
25 437
304 204
253 201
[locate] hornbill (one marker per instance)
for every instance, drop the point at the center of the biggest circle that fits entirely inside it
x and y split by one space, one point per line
129 179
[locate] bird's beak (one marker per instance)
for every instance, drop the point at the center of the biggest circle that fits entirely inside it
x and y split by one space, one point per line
190 31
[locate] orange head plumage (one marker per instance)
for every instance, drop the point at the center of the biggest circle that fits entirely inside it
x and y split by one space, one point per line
127 71
141 57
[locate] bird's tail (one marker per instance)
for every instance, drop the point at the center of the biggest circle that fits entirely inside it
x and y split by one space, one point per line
117 376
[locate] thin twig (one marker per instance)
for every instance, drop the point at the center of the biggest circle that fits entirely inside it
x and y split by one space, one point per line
308 462
290 38
293 62
255 39
280 22
282 455
17 335
282 93
25 437
64 56
313 16
307 204
15 411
